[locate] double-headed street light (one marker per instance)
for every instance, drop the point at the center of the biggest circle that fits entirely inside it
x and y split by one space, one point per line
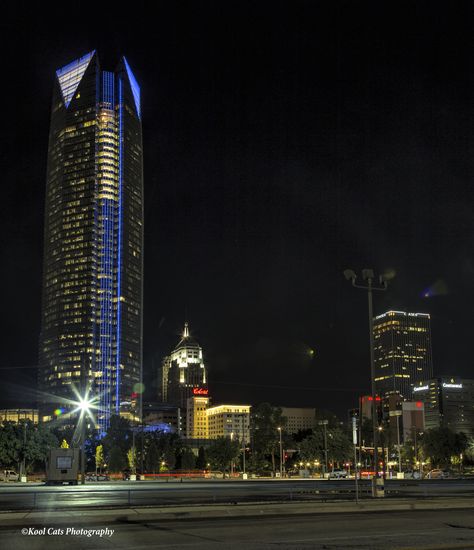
370 285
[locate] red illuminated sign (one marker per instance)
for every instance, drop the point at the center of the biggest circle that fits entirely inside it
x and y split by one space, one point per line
200 391
419 404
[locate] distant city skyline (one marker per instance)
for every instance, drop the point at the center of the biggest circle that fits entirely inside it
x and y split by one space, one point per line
282 144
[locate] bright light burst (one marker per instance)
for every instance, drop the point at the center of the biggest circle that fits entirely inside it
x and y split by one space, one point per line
84 403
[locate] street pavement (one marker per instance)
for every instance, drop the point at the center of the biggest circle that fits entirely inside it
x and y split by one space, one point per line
15 496
403 530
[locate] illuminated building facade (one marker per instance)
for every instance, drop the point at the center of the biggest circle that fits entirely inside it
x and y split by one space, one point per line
403 417
298 418
91 333
402 351
18 415
229 421
167 417
184 371
448 401
196 417
366 406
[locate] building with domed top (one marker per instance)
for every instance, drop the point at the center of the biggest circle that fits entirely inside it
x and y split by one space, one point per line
184 374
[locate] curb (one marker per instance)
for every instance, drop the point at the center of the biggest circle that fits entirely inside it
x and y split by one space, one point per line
199 512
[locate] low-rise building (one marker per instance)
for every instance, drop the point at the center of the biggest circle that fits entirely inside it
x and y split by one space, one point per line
298 418
229 421
167 417
16 415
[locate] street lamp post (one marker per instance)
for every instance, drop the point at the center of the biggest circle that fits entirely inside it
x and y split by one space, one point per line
398 443
324 424
281 453
244 448
368 276
83 407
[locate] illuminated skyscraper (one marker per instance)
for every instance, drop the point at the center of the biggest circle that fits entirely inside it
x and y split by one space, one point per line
91 332
402 351
183 372
448 402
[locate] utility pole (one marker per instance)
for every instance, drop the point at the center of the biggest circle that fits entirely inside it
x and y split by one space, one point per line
368 276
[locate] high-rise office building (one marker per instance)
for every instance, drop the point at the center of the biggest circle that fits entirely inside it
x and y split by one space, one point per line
402 351
184 372
91 333
448 402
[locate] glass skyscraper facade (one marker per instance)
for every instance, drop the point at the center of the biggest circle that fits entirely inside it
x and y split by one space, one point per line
91 333
402 352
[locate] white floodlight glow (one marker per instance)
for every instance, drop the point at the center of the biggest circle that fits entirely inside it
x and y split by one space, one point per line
84 405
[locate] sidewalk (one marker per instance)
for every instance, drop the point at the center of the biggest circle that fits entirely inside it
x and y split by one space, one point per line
137 515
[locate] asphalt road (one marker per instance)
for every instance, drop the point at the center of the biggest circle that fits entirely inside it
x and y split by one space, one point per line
21 497
433 530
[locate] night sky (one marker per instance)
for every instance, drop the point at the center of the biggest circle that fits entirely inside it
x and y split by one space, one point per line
283 143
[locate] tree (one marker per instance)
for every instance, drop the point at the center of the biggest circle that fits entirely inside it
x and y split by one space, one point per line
25 441
161 447
339 446
40 441
188 459
119 435
10 445
99 457
152 455
132 458
312 448
264 423
222 451
201 461
117 460
440 444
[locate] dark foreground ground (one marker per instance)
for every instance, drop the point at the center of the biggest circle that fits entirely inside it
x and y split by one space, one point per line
420 529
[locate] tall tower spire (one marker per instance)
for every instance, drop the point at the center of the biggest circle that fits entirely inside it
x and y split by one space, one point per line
186 330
